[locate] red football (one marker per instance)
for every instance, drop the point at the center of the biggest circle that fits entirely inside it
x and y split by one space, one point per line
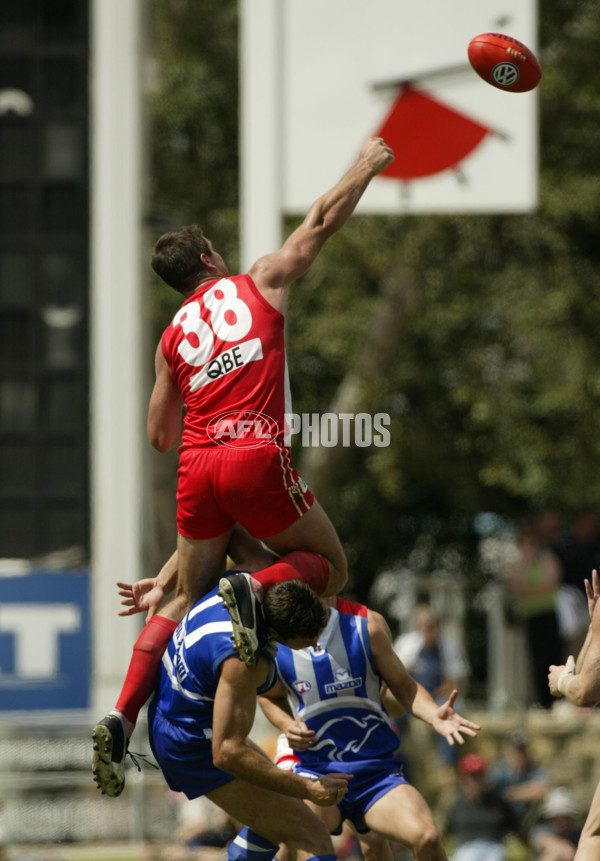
504 62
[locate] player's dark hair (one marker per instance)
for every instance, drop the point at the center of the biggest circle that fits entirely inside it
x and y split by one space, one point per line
292 609
176 257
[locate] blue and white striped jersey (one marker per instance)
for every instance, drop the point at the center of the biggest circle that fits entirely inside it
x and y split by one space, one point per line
335 689
190 668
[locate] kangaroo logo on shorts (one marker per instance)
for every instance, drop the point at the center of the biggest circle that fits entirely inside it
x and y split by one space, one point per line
242 429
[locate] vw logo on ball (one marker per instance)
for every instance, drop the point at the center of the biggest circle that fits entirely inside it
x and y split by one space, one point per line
505 74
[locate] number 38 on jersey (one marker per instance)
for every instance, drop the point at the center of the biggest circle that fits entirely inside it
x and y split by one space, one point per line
229 320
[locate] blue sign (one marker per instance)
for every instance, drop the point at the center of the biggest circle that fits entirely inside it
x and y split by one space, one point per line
45 641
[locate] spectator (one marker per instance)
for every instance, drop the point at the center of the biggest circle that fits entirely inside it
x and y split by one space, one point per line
521 782
549 526
436 661
578 551
480 818
433 659
556 836
532 584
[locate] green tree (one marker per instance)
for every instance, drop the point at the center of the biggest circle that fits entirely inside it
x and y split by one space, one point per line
477 335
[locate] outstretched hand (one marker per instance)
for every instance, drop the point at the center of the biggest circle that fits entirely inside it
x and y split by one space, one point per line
452 726
142 596
592 590
377 153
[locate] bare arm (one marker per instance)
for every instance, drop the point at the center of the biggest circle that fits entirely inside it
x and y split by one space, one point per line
579 681
412 695
148 594
234 708
277 710
552 846
274 272
530 791
380 620
392 706
592 591
165 411
584 649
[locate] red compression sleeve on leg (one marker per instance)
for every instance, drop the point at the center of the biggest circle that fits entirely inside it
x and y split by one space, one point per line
311 568
143 667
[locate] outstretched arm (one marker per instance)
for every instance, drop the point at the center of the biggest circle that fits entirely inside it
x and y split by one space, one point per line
413 696
274 272
147 595
579 681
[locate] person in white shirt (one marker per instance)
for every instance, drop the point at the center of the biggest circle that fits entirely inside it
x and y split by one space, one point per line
435 660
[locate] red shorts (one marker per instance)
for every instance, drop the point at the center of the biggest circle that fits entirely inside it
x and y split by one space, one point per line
258 488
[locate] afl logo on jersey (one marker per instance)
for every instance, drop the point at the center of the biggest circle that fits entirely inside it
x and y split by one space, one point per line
302 686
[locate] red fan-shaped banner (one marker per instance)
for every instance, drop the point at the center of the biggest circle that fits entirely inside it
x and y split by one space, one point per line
427 136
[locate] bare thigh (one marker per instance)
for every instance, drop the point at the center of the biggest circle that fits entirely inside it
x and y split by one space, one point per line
402 814
199 567
279 818
314 532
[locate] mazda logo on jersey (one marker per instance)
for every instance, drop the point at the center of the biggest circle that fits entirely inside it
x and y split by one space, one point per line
343 681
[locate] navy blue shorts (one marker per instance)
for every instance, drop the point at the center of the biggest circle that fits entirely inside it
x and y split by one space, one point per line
372 779
185 758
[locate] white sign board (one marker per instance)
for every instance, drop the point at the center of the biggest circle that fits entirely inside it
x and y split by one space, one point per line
345 70
352 68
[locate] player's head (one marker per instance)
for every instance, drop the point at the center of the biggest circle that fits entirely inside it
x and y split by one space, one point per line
184 257
293 613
